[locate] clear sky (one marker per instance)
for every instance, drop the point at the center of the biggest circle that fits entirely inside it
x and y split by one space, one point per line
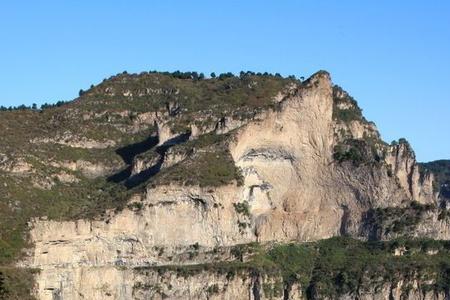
392 56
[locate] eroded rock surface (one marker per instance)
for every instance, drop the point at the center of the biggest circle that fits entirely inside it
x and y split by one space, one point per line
293 189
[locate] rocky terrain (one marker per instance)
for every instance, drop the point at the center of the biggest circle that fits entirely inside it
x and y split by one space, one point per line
173 186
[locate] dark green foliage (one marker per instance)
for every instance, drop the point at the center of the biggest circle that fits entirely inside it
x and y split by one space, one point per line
21 200
403 141
273 290
356 151
333 267
135 206
16 284
33 106
203 169
152 90
295 261
213 289
396 220
85 199
226 75
342 265
242 208
195 246
57 104
208 163
346 115
351 112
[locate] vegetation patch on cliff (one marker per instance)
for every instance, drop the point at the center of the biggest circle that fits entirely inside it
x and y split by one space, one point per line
99 127
357 151
345 107
203 169
150 91
396 221
208 163
335 266
16 284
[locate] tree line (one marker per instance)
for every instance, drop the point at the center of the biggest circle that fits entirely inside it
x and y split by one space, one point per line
177 74
33 106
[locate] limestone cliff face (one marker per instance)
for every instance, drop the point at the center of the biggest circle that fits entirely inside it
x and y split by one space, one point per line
140 284
285 158
403 162
293 190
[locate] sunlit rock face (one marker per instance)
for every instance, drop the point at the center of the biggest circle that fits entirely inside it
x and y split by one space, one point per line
293 189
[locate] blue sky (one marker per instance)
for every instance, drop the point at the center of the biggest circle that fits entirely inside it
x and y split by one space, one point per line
392 56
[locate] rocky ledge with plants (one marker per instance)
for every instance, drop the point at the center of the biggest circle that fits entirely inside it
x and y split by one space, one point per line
174 185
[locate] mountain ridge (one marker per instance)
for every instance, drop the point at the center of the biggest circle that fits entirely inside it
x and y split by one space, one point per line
238 160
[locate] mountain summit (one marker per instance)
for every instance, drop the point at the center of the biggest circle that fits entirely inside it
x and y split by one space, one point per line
177 186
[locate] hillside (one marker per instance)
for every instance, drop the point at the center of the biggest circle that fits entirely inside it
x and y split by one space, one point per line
253 185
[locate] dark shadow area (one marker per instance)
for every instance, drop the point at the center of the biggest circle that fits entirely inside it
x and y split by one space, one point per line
179 139
129 152
161 150
121 175
371 226
145 175
445 190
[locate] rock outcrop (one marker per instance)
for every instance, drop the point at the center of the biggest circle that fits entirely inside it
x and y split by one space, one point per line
293 188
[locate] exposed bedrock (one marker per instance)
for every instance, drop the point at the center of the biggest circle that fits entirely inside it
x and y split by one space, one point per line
293 190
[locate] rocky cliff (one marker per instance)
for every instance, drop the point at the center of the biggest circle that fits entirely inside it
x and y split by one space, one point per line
290 162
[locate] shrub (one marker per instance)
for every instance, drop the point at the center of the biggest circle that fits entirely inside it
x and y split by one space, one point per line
242 208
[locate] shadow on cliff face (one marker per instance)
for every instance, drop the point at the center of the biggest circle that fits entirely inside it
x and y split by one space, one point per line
135 180
128 154
145 175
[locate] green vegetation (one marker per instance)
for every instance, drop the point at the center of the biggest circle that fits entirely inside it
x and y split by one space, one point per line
333 267
209 163
33 106
345 108
150 91
397 220
357 151
111 112
16 284
20 201
120 112
203 169
273 289
213 289
242 208
41 193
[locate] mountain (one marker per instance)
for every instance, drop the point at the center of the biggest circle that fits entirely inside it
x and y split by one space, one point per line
174 186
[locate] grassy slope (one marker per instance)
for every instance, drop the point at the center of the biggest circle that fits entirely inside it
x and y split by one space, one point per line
97 115
202 101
